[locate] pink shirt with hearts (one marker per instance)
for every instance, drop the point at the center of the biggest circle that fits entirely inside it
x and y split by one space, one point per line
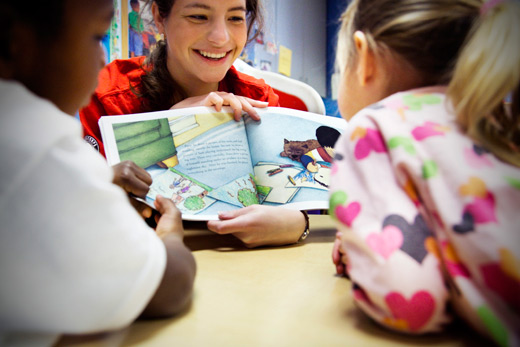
428 217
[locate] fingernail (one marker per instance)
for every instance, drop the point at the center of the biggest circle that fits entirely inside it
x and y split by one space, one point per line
223 214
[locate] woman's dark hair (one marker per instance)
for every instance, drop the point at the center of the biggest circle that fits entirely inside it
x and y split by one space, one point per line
159 90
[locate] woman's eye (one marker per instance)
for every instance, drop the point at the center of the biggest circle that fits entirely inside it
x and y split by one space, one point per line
198 17
237 19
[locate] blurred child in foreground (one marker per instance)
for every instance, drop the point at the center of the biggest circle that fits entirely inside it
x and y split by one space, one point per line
75 257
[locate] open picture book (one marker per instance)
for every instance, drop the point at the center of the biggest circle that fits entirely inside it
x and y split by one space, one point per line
207 162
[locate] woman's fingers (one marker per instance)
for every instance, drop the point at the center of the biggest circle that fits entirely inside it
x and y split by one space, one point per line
234 102
247 107
215 100
239 104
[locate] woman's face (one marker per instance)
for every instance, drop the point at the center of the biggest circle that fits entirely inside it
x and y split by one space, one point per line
204 37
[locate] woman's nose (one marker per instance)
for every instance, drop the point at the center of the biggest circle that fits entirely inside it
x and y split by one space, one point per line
218 32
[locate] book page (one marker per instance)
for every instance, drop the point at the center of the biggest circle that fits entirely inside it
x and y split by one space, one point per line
207 162
197 157
290 163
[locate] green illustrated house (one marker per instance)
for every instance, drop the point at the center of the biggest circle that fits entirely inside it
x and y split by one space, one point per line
146 142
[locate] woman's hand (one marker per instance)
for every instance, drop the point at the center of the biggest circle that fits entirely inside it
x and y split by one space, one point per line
135 181
239 104
339 257
258 225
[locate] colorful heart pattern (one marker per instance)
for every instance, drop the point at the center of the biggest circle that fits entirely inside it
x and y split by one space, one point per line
414 235
397 105
509 263
427 130
475 187
466 225
482 209
476 159
453 264
335 199
494 325
415 102
501 283
513 182
386 242
429 169
401 141
416 312
347 214
370 140
339 209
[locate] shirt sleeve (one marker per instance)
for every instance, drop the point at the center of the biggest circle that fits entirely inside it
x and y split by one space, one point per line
390 250
80 259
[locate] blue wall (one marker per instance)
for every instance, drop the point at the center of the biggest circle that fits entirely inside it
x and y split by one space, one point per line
334 10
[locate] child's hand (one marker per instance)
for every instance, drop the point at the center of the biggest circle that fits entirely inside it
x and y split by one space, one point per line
238 103
170 219
339 257
133 179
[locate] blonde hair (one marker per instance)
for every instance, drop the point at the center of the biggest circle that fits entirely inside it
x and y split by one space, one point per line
487 73
449 42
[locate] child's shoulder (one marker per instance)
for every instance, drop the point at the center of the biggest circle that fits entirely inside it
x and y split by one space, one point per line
403 111
31 118
33 126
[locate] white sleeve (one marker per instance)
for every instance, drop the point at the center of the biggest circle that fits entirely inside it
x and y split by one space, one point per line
75 257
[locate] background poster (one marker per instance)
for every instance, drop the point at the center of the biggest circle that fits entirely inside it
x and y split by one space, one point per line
132 31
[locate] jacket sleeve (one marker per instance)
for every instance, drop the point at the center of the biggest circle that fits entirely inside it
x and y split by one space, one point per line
272 98
89 117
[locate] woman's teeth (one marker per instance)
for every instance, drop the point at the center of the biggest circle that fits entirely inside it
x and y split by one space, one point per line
212 55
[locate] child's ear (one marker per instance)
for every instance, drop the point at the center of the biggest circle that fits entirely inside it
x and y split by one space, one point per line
366 61
158 19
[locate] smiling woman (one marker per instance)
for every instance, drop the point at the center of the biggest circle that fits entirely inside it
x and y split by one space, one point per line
203 41
193 66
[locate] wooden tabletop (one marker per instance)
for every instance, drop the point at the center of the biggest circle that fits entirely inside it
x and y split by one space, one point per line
271 296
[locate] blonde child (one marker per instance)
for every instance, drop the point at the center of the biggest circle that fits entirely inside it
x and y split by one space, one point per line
75 257
426 183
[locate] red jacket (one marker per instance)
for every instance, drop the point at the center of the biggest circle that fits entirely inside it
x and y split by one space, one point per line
113 95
